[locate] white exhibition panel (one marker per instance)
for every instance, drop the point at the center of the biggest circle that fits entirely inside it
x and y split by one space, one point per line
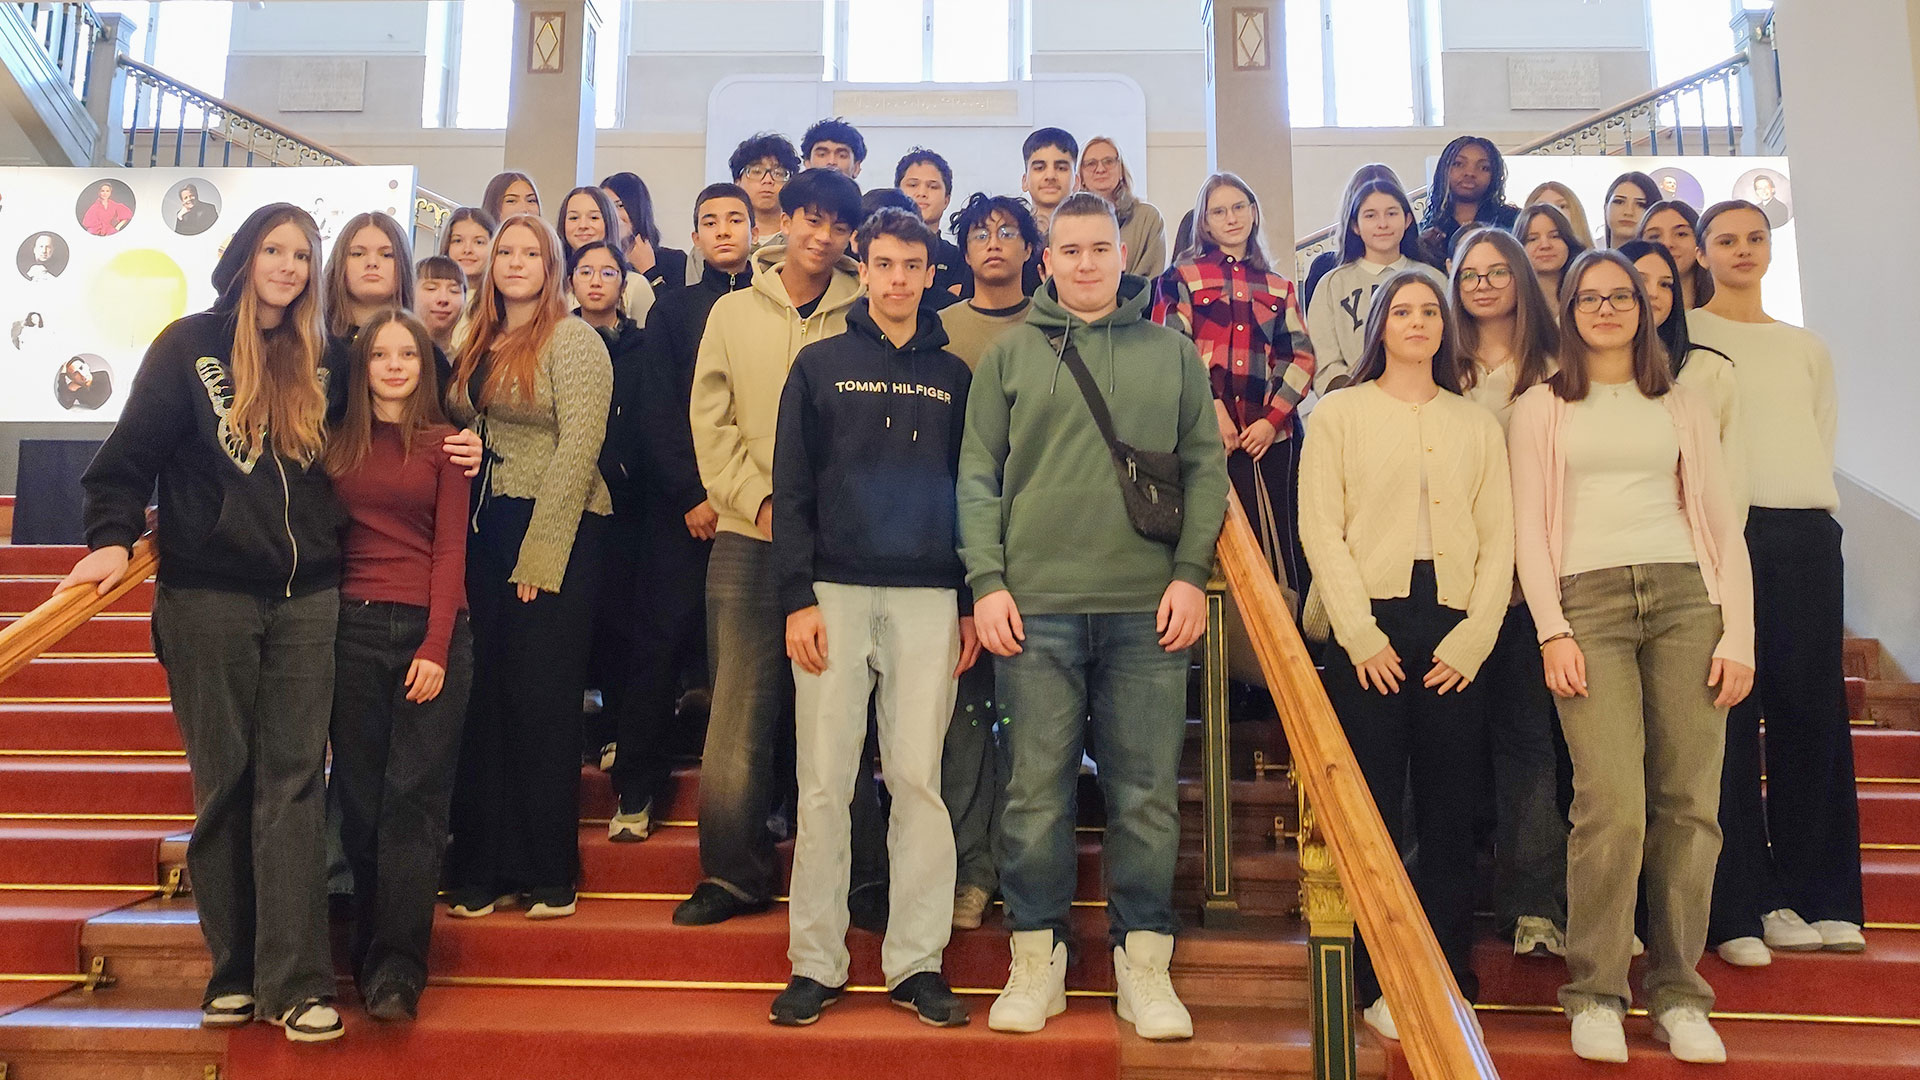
104 294
1713 179
978 128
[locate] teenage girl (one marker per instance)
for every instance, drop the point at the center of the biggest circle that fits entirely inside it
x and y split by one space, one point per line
1469 187
1630 555
1324 262
1405 511
1377 241
466 239
227 415
663 267
1561 197
537 383
369 269
510 193
587 215
1675 224
1508 340
1551 242
1627 200
1247 324
1702 368
1803 890
403 657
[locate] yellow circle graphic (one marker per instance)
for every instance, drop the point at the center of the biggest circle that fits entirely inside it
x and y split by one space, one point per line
135 295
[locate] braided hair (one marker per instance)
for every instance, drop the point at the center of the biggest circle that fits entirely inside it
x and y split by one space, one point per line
1440 192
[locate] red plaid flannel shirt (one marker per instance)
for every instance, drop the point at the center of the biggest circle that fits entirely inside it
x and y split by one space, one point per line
1249 328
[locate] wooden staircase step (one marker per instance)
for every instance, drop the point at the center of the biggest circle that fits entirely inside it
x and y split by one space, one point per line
117 1034
1236 1043
1860 657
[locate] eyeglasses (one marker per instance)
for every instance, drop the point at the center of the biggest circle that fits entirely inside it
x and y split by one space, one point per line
588 273
1619 300
1234 210
1498 277
1006 233
761 172
1102 163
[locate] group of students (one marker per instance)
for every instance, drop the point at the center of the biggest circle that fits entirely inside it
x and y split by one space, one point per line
952 504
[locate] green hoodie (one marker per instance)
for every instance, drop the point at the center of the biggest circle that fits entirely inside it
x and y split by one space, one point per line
1041 513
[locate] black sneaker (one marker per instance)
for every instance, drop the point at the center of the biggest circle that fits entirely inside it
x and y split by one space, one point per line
928 995
392 1000
712 904
867 907
800 1003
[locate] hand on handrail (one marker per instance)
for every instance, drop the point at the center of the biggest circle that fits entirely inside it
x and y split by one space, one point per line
105 566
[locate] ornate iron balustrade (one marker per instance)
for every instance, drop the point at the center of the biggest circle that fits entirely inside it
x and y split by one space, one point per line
67 32
171 123
1670 119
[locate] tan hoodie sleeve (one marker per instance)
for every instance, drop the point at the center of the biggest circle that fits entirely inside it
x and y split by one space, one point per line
734 483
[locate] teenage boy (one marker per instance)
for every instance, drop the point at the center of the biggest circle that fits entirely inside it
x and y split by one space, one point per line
1048 158
801 292
677 522
1000 237
1087 618
877 613
927 179
440 298
834 144
762 164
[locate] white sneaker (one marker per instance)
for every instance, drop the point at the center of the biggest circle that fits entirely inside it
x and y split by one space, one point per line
1745 952
227 1010
1598 1034
1535 935
1638 948
1036 983
631 828
1839 936
1686 1032
1787 931
1146 999
1380 1019
543 909
608 753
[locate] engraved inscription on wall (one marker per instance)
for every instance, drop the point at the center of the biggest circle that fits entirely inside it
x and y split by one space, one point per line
323 85
1553 81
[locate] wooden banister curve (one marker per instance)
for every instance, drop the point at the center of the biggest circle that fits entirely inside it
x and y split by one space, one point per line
1438 1031
66 611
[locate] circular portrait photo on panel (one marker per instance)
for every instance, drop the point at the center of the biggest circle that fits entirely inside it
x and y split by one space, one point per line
1768 190
191 206
42 257
84 382
1680 184
104 207
28 330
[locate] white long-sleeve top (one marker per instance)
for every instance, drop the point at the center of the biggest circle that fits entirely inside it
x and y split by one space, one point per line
1788 409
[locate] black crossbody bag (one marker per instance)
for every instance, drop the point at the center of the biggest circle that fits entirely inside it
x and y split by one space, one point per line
1150 480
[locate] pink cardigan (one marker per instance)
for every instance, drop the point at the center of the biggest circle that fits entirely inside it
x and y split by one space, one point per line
1539 464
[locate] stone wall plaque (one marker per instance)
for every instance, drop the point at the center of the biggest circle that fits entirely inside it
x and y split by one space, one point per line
323 84
1553 81
926 103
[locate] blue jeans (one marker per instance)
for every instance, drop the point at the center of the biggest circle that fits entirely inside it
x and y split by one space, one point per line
1110 668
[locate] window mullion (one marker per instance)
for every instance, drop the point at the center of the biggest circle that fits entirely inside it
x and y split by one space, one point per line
926 40
1329 93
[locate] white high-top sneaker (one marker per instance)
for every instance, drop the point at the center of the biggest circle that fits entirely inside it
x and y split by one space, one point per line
1036 983
1146 998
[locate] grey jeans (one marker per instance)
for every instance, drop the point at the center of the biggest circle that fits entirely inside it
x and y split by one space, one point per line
1646 745
252 686
971 778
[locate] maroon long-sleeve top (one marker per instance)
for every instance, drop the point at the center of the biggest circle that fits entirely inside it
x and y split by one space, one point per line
406 540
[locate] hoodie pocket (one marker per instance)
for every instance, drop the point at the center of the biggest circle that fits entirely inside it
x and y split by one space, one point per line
890 516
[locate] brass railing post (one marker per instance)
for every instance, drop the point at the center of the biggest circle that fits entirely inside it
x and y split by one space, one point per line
1220 908
1330 1001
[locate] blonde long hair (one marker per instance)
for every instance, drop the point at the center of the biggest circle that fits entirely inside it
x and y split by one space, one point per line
276 373
515 354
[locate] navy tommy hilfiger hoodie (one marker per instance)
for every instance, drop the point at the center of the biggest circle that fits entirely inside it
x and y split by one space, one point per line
864 461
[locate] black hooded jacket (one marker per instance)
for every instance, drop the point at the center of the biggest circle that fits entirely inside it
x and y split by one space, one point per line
620 453
864 462
256 523
669 350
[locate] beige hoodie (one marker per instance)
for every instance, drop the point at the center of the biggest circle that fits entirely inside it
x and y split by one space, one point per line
751 339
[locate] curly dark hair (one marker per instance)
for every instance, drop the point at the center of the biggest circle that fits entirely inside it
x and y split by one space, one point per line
1440 193
757 148
834 129
981 206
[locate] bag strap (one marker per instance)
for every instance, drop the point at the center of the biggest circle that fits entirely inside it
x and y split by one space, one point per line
1096 403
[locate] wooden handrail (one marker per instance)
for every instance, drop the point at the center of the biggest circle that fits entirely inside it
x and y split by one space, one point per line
66 611
1438 1032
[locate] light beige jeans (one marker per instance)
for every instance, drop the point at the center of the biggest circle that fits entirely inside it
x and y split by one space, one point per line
1646 747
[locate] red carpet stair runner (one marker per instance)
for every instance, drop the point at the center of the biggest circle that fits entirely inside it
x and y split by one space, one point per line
96 805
